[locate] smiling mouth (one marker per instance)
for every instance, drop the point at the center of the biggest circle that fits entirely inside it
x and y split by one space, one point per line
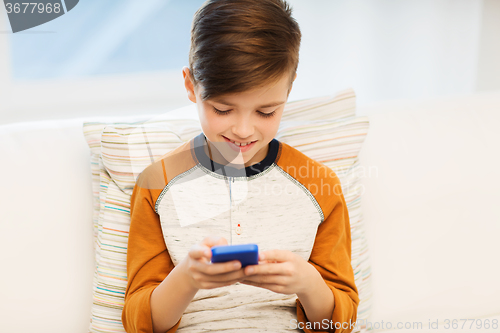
246 144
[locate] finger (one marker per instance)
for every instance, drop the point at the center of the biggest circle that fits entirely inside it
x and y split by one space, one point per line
211 284
219 269
214 240
261 256
275 255
254 283
199 251
269 286
270 279
268 268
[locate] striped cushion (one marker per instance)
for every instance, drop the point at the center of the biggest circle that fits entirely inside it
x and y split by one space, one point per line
126 150
338 106
120 151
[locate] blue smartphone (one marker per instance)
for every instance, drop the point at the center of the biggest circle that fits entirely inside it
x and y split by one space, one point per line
247 254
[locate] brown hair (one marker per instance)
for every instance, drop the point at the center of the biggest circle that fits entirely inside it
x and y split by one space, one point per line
239 45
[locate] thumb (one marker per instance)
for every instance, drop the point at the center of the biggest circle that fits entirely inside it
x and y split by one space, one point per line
214 240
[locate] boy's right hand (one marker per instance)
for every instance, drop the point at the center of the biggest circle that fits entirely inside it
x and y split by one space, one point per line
202 274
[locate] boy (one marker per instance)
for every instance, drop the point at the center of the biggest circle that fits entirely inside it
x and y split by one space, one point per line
234 183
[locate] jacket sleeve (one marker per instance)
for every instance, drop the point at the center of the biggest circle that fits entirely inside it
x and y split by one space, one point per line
331 256
148 261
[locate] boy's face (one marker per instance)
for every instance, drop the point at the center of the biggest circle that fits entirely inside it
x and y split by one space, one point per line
251 116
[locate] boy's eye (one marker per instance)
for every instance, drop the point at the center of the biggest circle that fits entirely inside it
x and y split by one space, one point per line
262 114
221 112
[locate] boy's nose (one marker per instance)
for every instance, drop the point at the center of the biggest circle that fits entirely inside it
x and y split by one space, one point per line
242 131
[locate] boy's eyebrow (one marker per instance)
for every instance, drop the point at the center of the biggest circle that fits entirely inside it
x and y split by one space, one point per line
221 101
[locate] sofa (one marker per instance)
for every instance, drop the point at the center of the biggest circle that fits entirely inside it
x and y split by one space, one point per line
430 203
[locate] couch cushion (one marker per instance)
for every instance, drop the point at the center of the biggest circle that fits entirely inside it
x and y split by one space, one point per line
431 198
45 227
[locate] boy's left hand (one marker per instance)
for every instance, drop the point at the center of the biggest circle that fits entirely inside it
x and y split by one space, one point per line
281 271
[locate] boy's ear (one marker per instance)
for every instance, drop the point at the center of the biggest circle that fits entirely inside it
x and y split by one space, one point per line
188 84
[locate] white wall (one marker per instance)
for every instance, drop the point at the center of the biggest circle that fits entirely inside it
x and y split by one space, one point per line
489 48
384 49
389 49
